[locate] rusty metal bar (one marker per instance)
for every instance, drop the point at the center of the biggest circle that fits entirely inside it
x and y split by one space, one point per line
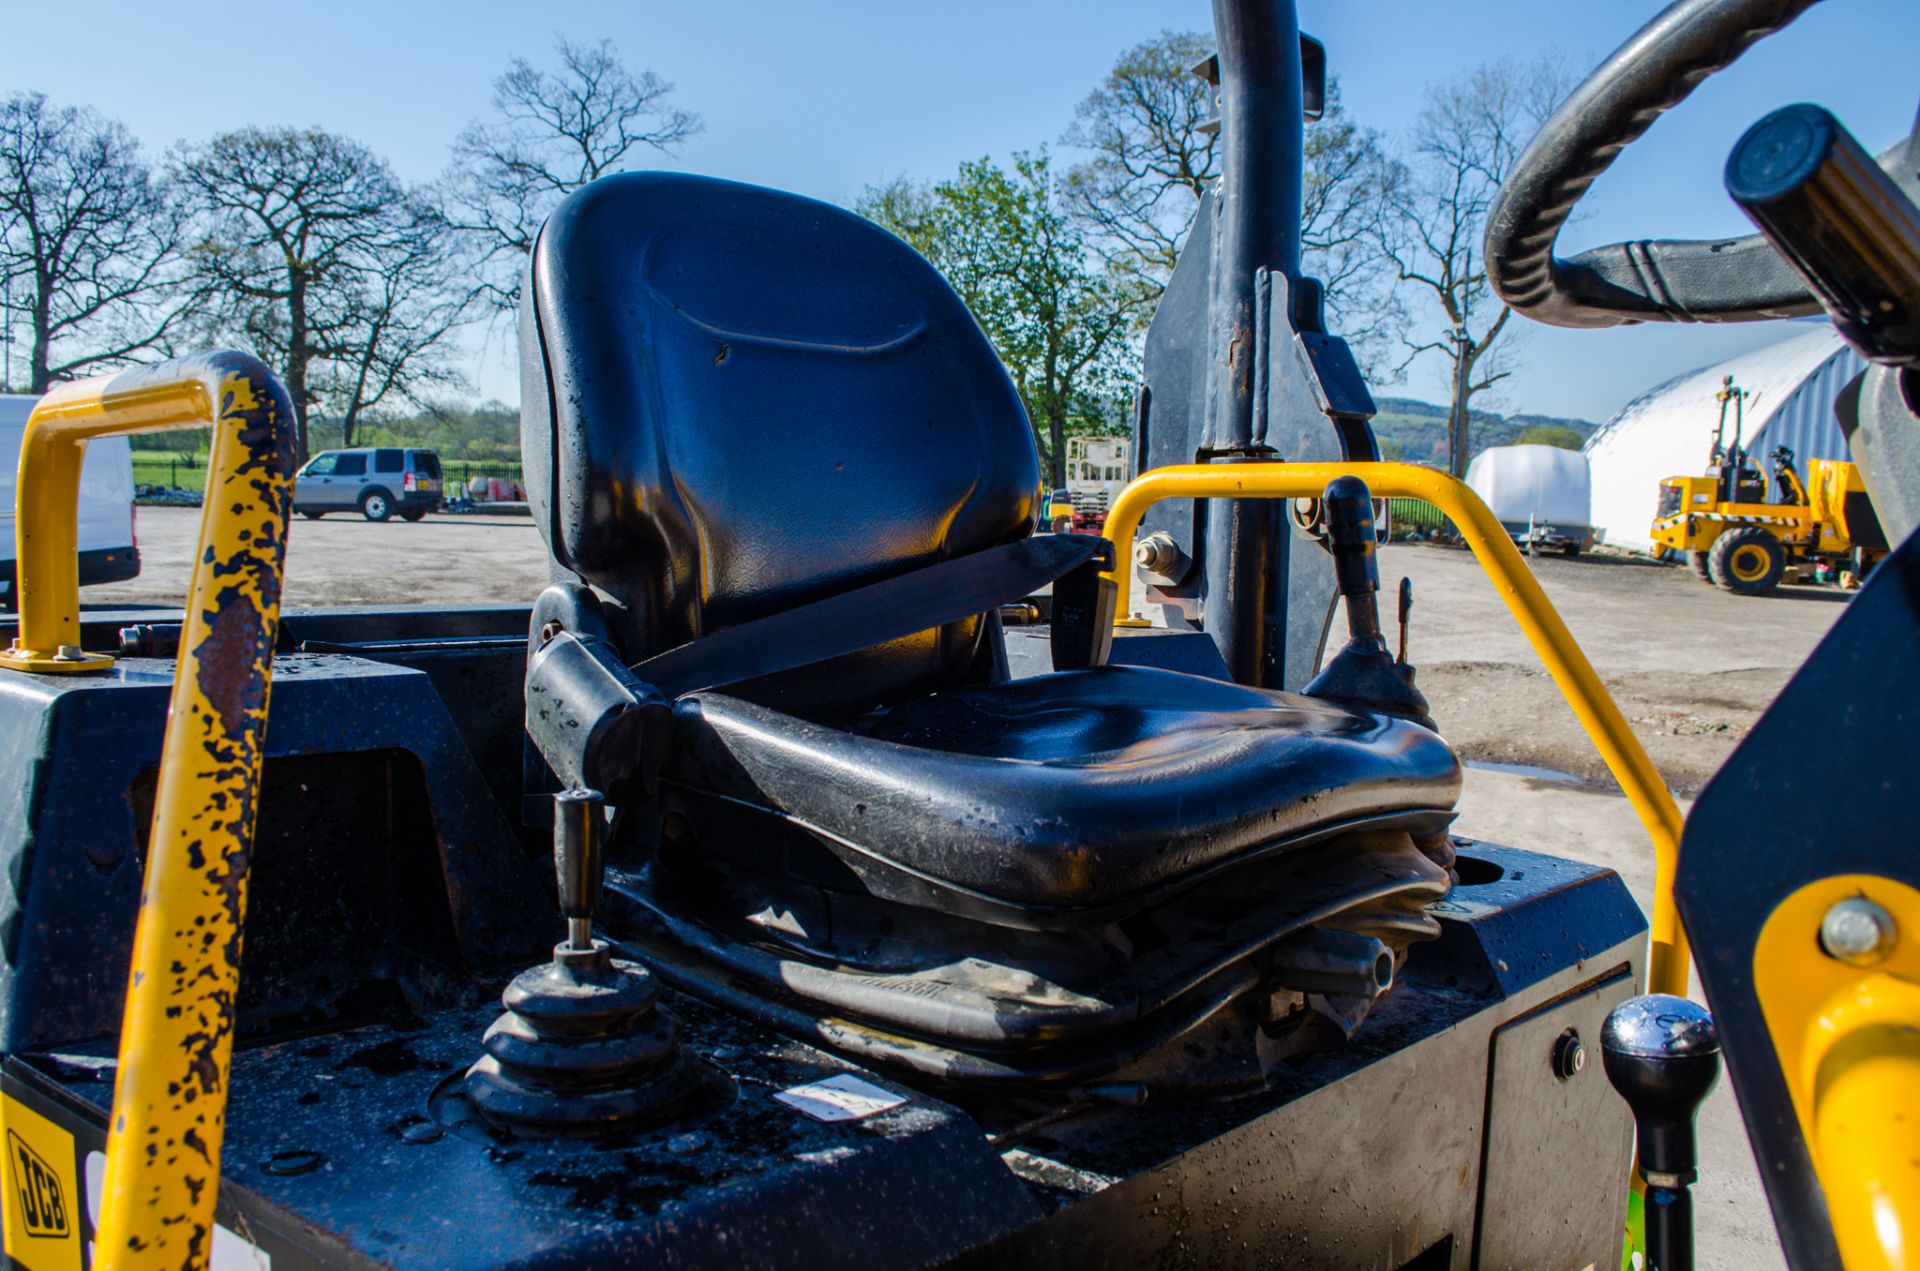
176 1038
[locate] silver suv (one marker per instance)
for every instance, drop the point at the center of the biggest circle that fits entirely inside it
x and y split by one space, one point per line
375 482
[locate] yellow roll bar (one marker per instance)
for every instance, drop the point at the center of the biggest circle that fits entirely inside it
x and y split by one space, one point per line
176 1037
1618 747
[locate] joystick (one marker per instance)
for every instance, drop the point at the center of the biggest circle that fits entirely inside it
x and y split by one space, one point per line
583 1049
1363 673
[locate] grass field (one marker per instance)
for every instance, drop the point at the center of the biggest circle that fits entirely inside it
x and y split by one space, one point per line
189 472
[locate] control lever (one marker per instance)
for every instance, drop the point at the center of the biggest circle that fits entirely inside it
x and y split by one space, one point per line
1662 1054
583 1048
577 834
1840 220
1406 612
1363 674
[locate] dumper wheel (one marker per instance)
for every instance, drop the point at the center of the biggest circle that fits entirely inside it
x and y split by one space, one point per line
1747 562
1699 562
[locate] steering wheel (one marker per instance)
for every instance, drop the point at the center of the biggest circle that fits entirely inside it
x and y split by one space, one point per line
1716 280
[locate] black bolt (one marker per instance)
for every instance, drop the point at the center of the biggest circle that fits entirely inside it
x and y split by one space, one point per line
1569 1056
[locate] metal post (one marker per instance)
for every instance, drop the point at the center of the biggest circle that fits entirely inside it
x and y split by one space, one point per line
1457 419
1257 235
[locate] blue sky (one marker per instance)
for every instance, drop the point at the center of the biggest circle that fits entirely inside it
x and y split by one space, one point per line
827 96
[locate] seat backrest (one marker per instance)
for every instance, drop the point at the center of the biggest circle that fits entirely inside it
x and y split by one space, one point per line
736 400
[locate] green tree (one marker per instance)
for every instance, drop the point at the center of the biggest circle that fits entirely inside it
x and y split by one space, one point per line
1550 435
1060 317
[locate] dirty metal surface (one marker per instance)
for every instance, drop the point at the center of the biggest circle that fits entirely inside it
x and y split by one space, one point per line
1371 1154
76 760
337 1155
1368 1154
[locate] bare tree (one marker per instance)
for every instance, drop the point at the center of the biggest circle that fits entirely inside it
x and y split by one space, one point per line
553 132
391 339
1433 215
1152 158
308 248
1347 175
88 239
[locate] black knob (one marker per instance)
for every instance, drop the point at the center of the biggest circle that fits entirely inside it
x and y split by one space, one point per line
1840 220
1348 510
1662 1055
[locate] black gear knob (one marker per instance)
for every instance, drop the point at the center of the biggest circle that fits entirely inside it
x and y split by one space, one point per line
1662 1054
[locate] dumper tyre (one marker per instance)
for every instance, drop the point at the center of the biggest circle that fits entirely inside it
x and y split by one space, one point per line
1699 562
1747 562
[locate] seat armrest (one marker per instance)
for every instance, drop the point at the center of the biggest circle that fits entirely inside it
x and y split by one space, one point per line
599 726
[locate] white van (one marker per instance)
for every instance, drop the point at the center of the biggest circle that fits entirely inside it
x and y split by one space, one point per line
109 552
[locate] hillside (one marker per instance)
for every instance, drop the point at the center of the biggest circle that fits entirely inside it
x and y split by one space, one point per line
1417 431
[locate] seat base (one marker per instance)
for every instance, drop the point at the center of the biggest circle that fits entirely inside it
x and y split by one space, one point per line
980 1005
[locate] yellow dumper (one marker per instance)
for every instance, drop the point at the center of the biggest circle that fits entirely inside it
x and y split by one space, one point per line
1740 541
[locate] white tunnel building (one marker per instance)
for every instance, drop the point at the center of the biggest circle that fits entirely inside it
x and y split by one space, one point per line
1668 431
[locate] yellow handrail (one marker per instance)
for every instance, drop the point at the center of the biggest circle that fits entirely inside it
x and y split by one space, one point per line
1618 747
176 1037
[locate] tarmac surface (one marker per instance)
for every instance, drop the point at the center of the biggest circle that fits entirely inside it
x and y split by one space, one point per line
1690 666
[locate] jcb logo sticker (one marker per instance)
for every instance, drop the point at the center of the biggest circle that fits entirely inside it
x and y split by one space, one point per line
39 1191
43 1208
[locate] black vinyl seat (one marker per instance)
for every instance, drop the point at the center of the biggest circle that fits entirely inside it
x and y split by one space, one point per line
737 401
1082 789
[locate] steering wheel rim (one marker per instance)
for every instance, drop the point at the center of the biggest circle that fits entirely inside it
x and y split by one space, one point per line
1665 280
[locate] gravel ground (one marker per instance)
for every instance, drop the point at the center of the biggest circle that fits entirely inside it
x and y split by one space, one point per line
345 560
1690 666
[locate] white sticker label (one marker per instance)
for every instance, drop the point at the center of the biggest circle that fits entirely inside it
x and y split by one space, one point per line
842 1098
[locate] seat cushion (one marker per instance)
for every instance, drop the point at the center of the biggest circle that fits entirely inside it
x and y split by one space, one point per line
1079 789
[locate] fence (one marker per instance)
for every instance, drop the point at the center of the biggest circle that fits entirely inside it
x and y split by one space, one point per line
173 473
181 472
1409 517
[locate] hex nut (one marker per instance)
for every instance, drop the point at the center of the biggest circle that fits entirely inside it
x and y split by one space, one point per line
1858 932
